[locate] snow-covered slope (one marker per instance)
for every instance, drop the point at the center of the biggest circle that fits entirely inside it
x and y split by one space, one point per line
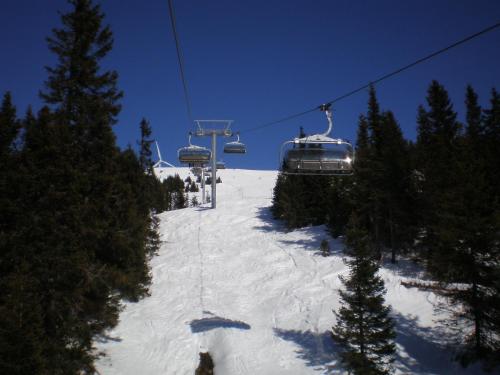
233 282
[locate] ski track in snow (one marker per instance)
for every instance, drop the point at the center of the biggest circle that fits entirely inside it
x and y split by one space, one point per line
234 282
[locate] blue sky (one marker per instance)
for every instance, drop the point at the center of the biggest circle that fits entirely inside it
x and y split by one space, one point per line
261 60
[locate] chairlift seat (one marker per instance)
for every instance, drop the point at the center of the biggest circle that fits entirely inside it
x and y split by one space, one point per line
235 148
319 155
194 155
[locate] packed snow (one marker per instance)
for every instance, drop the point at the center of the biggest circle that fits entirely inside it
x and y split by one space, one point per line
234 282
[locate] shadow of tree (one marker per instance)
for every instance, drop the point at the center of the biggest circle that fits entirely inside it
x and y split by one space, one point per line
315 234
269 223
421 350
427 350
407 268
316 349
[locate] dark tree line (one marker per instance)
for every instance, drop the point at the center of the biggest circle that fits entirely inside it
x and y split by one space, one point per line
436 200
77 223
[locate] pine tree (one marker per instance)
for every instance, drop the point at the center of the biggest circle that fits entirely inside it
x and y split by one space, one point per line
277 209
21 327
364 330
9 177
380 191
438 162
460 220
83 96
362 194
491 145
9 126
491 139
473 129
193 188
75 299
370 171
75 204
145 147
339 204
194 202
394 186
467 241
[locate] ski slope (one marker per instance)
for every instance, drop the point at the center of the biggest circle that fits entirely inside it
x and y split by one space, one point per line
234 282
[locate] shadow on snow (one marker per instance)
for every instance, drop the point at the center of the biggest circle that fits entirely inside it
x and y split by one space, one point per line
316 349
315 234
213 322
428 349
104 338
421 350
406 268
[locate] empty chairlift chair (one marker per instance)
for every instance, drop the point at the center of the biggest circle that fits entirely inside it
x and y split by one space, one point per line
235 147
318 154
194 155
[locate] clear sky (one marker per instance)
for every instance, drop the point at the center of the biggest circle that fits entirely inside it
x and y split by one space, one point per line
261 60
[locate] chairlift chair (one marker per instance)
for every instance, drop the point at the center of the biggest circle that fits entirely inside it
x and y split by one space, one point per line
235 147
318 154
194 155
196 171
220 165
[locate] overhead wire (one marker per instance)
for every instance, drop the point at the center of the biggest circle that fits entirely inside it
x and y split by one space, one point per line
180 61
378 80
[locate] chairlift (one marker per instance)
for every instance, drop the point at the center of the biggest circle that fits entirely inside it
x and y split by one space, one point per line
196 171
220 165
235 147
318 154
194 155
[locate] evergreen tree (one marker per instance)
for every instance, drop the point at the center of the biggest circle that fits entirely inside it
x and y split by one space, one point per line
438 162
82 226
9 126
83 96
467 241
145 147
194 202
85 99
364 330
193 188
460 220
362 194
381 187
75 299
339 204
491 144
9 175
394 186
21 326
491 139
473 128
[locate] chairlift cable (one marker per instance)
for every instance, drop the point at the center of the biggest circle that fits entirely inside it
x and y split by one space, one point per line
180 61
380 79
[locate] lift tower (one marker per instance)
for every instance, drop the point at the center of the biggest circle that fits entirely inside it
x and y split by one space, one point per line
213 129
